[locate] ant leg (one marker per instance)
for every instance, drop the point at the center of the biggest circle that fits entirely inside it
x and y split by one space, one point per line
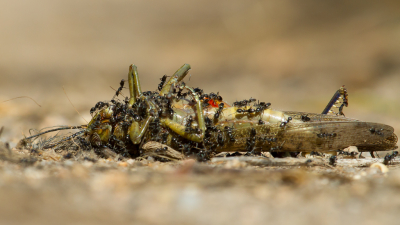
136 131
177 77
180 129
135 90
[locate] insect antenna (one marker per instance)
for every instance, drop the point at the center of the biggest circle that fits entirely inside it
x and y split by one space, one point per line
24 97
57 129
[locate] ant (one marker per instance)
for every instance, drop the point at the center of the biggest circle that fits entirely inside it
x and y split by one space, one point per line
352 154
324 135
262 106
250 110
251 141
179 94
240 103
220 139
376 131
305 118
121 86
214 96
389 157
163 79
332 160
189 124
268 139
219 111
198 91
229 133
98 105
283 124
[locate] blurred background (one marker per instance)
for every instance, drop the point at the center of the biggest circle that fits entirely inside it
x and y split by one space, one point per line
290 53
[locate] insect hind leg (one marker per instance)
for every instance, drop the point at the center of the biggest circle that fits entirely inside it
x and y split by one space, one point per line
181 129
177 77
340 97
135 90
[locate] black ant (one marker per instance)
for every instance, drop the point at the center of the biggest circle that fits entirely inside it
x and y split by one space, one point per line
98 105
389 157
251 141
324 135
189 124
121 86
332 160
316 153
268 139
220 139
179 94
283 124
242 103
198 91
305 118
229 133
376 131
92 110
250 110
276 148
352 154
214 96
163 79
219 111
262 106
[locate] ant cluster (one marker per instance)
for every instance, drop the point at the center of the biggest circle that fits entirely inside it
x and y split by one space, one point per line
118 115
376 131
260 107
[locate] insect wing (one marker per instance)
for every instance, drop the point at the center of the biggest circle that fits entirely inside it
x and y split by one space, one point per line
326 136
316 117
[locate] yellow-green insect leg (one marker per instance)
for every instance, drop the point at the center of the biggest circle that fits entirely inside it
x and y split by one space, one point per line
135 90
180 129
177 77
136 131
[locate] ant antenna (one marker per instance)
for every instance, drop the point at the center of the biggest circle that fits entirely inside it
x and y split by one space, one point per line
23 97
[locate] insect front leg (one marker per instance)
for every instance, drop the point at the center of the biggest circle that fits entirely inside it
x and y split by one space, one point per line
181 129
136 131
177 77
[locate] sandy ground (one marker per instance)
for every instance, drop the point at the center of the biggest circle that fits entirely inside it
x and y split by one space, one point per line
294 55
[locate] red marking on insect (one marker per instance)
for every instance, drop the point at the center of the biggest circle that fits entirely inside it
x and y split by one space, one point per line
212 103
